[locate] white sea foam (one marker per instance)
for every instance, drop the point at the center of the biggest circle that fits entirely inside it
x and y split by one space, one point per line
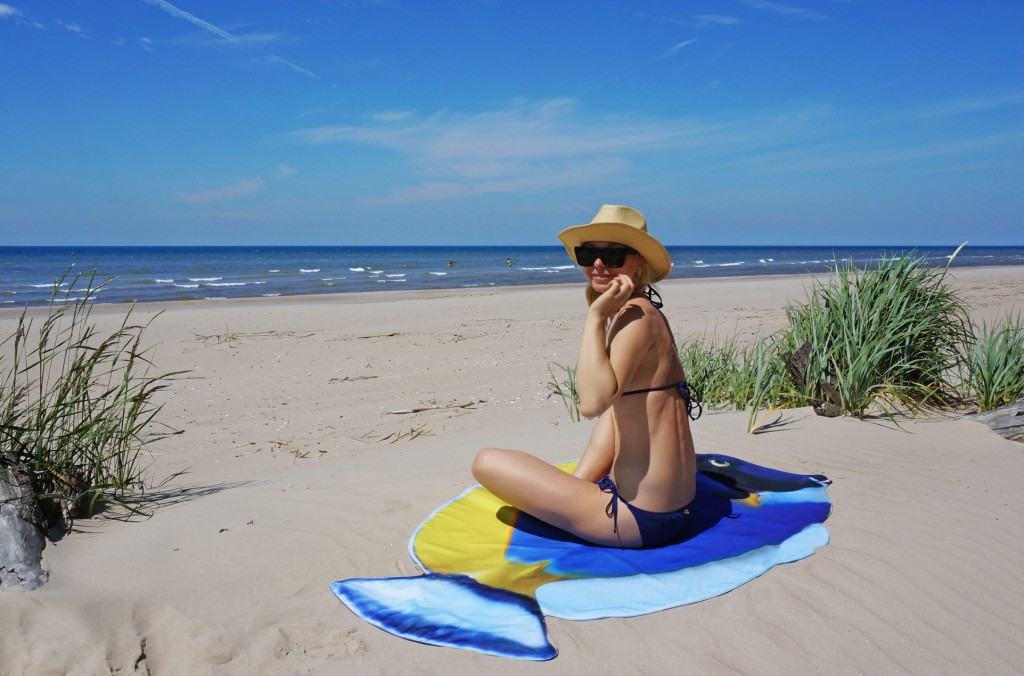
273 271
397 274
228 284
358 269
549 268
729 265
271 295
330 279
439 274
187 286
375 272
205 279
385 281
46 286
164 281
306 271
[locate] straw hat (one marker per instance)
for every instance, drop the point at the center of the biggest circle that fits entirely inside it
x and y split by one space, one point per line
623 225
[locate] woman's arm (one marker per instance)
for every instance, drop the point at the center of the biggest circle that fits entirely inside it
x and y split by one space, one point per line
603 370
596 383
597 459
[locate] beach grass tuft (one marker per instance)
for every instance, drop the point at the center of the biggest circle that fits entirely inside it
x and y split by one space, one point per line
562 384
888 336
734 375
995 363
77 406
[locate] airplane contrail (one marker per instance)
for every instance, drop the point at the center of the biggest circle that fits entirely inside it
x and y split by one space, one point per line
219 32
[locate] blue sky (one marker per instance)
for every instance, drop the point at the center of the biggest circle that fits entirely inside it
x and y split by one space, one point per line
501 122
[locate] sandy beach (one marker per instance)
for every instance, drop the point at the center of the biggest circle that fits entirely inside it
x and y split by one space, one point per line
319 431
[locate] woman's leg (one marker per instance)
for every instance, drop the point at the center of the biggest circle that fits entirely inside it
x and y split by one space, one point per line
551 495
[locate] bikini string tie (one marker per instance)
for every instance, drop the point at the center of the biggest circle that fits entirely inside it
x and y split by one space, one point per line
691 395
608 486
653 296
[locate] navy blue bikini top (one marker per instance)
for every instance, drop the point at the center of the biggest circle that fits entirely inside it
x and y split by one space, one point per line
689 394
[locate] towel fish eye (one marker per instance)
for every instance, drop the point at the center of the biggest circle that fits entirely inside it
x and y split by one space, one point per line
718 463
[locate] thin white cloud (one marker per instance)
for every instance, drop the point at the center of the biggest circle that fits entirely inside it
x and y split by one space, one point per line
538 144
977 104
391 116
223 34
572 174
72 27
833 155
240 41
675 48
284 170
714 19
240 188
298 69
785 10
524 132
9 12
191 18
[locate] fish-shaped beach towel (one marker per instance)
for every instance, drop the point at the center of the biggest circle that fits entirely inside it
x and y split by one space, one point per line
492 572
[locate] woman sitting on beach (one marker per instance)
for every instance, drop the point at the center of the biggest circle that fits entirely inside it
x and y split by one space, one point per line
640 453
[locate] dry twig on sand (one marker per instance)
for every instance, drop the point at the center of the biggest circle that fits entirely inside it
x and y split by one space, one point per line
414 432
407 411
230 337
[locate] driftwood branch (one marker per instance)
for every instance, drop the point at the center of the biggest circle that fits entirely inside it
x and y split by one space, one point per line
22 537
1007 421
406 411
830 403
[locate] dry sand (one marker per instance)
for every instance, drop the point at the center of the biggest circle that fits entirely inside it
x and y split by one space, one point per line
302 471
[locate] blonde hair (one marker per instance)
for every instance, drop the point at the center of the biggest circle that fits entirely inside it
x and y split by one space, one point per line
642 282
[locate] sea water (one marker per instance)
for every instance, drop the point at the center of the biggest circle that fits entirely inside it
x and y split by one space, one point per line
37 275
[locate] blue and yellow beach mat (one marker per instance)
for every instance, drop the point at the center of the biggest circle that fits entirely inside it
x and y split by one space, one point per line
493 572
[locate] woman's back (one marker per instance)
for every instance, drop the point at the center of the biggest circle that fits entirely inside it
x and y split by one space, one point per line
654 465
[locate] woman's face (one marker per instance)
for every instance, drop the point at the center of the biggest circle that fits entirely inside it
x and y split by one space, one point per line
600 276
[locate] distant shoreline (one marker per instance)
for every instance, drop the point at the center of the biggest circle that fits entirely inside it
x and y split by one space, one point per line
672 289
30 276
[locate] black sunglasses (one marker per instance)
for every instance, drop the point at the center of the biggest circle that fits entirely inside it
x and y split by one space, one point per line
612 257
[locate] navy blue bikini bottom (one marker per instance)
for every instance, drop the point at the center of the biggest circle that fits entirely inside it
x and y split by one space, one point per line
656 528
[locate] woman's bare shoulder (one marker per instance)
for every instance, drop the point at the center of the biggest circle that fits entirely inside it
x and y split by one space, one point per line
637 315
641 308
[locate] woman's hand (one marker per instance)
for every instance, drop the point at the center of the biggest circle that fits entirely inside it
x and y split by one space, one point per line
620 289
